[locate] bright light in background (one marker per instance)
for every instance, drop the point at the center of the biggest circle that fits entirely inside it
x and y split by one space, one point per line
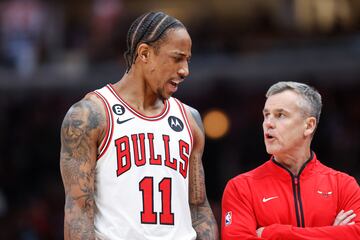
216 124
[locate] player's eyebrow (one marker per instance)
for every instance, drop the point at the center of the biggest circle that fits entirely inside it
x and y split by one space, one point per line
182 54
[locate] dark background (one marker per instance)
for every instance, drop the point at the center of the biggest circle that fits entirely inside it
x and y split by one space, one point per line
53 52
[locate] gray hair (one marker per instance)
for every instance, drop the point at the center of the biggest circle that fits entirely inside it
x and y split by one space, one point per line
310 95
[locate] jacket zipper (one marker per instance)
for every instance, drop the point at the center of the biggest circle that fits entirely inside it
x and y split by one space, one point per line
295 180
297 200
296 192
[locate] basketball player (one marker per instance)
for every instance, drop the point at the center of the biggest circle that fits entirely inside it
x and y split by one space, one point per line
293 195
131 155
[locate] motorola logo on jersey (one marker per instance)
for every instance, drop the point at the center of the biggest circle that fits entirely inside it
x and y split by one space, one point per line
175 124
118 109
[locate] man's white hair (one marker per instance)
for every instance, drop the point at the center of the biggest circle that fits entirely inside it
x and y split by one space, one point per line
312 98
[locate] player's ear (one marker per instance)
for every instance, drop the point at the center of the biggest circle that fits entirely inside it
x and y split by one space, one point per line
143 52
310 125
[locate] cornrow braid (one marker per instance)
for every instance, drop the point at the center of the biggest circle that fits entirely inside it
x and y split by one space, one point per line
149 28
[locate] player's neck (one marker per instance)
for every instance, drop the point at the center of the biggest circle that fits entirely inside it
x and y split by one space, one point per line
137 95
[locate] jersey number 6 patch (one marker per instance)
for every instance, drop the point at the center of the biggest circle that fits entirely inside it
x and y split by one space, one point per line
148 216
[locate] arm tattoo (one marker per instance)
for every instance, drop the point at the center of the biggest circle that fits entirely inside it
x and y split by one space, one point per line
202 216
204 222
77 162
197 180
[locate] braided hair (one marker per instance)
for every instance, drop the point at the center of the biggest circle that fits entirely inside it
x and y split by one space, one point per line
149 28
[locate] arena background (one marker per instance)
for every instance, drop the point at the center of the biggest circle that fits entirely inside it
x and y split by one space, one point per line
53 52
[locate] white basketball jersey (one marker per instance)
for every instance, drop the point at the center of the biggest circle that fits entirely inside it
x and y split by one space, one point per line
142 173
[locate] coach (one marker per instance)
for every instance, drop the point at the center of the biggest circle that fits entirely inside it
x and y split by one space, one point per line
292 195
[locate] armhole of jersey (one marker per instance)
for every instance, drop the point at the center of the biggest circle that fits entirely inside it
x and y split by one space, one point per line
109 128
185 116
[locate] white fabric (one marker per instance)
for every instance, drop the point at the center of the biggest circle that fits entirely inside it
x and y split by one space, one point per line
119 198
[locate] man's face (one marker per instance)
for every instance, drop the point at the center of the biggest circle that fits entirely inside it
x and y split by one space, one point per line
284 123
169 64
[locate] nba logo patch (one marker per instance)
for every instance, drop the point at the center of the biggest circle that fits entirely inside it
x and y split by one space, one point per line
228 218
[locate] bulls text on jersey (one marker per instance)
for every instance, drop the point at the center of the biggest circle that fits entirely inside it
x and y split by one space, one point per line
124 145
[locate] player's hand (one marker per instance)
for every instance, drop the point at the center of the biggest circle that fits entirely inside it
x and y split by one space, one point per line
259 231
344 218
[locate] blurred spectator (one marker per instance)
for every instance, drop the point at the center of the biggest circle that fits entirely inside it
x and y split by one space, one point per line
22 25
105 16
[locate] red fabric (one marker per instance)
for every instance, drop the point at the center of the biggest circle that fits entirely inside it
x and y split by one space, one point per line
264 197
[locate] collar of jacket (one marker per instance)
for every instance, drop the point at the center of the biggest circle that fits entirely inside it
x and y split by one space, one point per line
282 172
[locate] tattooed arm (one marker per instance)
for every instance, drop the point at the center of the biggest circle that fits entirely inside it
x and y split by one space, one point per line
203 219
81 131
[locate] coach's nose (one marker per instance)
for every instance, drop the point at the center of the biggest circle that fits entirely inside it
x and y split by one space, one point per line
268 123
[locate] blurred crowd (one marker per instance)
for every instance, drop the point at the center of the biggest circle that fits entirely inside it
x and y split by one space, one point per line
36 32
63 39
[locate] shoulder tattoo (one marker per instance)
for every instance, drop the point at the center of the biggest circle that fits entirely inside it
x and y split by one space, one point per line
80 121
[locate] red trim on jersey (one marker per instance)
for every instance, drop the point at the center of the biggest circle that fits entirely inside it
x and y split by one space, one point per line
140 115
185 116
109 128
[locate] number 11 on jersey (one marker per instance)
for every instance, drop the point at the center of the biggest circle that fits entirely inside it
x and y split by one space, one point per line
148 216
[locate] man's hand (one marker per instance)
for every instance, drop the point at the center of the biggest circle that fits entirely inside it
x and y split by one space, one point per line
344 218
259 231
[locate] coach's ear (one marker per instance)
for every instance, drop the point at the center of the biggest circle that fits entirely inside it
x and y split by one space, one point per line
310 125
143 52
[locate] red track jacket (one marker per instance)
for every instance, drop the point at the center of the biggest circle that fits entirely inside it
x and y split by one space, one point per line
290 207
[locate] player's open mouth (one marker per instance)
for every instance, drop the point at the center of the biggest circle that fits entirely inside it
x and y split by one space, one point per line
174 83
173 86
